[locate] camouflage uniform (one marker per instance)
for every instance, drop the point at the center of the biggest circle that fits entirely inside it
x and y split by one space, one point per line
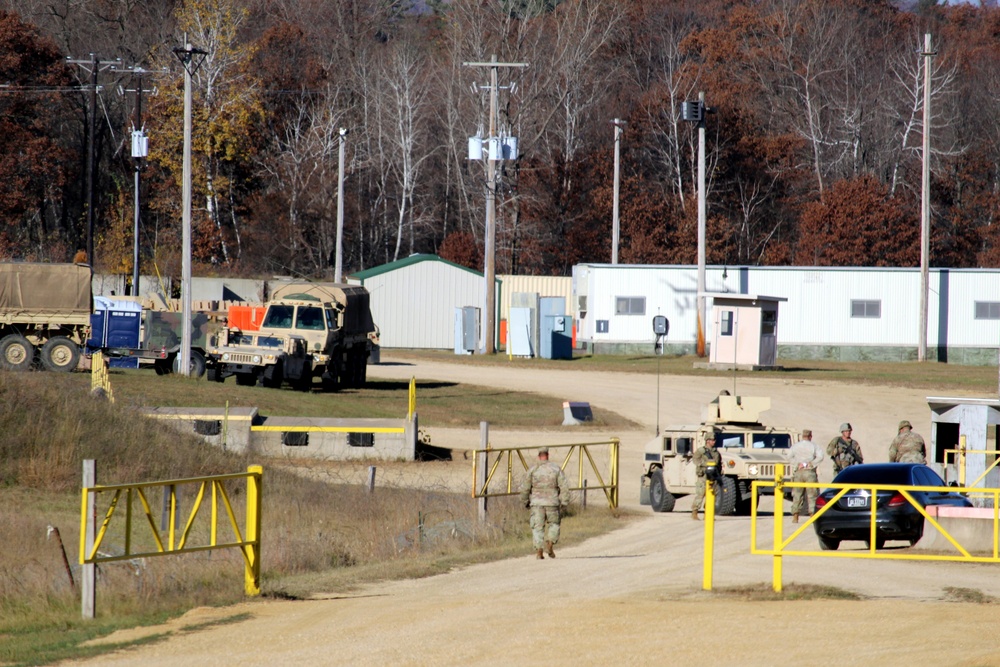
805 456
545 490
704 457
844 452
908 447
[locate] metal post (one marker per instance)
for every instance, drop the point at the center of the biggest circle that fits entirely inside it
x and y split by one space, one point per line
491 225
702 214
338 270
618 123
91 131
185 353
88 574
371 479
584 494
925 202
706 580
779 517
255 494
481 472
138 167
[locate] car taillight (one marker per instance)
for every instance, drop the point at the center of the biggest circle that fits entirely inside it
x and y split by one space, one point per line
820 501
897 500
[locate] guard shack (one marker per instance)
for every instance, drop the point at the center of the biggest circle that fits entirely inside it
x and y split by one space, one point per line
975 418
744 331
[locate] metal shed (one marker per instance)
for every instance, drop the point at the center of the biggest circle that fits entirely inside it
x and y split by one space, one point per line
744 331
413 300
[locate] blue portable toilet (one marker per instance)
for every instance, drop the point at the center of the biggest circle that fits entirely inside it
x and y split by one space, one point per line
115 323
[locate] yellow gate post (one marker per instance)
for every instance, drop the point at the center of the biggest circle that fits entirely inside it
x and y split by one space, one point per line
779 516
255 483
961 460
706 582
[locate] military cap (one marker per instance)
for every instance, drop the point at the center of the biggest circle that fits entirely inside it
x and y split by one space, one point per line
904 423
806 433
845 427
543 450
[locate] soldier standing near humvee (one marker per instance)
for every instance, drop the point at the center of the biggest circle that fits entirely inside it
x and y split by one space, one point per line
708 467
805 457
546 492
844 450
907 447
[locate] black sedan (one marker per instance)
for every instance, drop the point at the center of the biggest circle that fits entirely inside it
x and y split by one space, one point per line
895 517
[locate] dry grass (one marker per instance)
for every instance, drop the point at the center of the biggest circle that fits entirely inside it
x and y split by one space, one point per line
323 532
765 593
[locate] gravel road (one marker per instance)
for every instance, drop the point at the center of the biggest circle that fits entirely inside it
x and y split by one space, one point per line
633 596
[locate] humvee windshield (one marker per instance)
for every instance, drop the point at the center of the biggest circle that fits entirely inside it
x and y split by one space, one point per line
772 441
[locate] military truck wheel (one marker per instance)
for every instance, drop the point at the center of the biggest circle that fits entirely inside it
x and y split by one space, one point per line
330 382
163 367
828 543
273 375
725 496
16 353
196 367
660 499
60 354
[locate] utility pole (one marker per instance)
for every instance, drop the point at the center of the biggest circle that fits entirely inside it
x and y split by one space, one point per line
140 150
338 269
619 124
702 216
191 63
925 202
93 65
489 253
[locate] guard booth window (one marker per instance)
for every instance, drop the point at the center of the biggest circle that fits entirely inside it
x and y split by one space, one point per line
726 325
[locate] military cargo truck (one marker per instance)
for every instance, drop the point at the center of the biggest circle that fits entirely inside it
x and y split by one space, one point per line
335 321
749 449
44 314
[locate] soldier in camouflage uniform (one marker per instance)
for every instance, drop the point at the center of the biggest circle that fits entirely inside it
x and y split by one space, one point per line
907 447
708 465
844 450
546 492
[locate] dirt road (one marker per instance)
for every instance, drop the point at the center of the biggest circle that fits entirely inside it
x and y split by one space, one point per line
634 596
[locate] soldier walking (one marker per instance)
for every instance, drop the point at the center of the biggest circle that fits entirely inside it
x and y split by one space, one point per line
546 492
805 457
907 447
844 450
708 467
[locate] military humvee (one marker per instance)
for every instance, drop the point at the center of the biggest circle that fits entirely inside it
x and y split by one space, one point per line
749 451
255 358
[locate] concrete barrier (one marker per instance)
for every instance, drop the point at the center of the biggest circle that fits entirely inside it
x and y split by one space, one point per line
972 527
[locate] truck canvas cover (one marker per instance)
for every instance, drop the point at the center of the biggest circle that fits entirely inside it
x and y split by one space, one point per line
50 288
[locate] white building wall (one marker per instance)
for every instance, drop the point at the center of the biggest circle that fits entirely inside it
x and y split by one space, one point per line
414 305
818 310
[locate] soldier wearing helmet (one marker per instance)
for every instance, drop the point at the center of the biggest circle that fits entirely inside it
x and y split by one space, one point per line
708 467
907 447
844 450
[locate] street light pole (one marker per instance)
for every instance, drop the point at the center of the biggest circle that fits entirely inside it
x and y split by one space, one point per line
619 124
925 202
191 65
338 270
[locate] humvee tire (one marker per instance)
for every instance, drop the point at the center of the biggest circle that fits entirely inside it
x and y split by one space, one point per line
725 496
660 499
273 376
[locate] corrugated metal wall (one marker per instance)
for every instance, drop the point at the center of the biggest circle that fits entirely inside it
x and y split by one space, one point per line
541 285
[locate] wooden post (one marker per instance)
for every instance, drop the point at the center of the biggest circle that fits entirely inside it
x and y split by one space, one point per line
88 578
481 472
371 479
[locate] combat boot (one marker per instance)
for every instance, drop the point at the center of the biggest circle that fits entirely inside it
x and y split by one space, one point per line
795 518
549 550
694 514
539 555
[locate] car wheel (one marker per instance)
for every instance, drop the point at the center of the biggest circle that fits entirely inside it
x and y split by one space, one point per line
725 496
660 499
828 543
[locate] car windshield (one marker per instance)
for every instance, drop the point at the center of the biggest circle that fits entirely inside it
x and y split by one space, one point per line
772 441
